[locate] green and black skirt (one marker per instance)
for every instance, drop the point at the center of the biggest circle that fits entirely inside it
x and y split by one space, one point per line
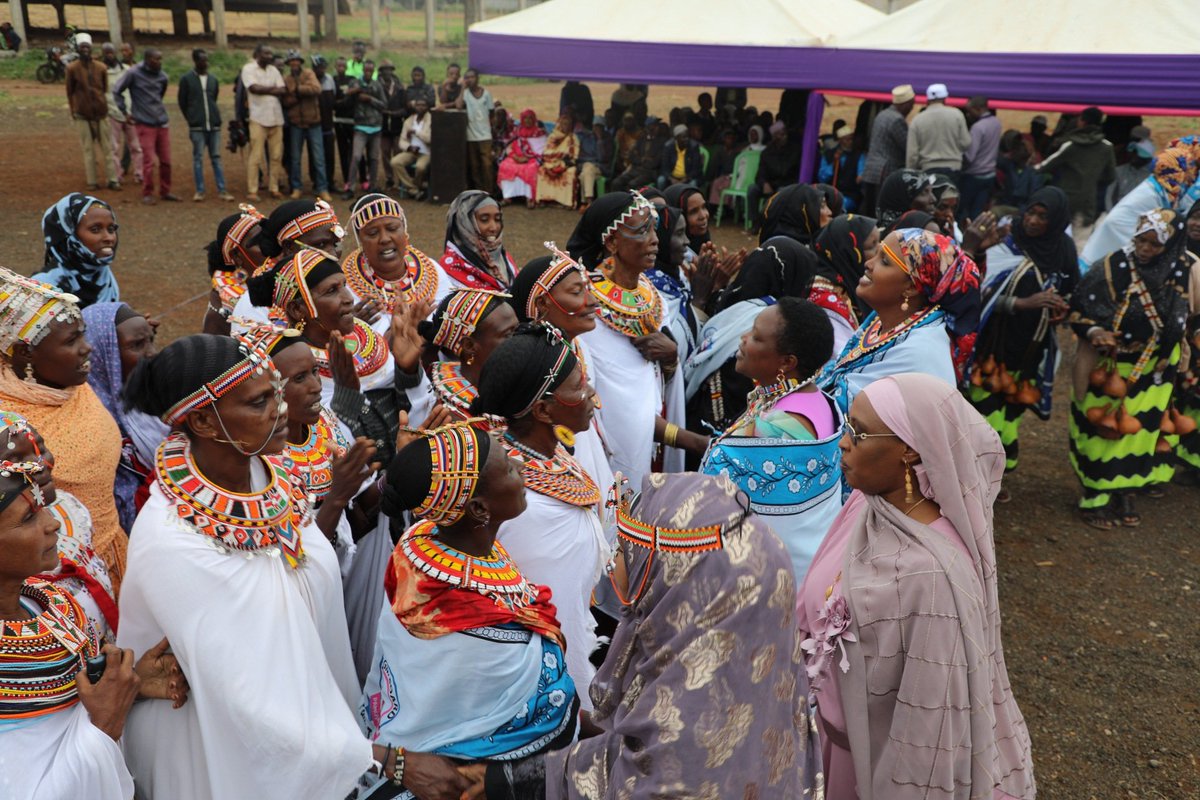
1003 415
1105 465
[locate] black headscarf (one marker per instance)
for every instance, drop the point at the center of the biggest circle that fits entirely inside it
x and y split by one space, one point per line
667 217
463 231
1053 251
780 267
909 219
677 199
515 375
587 240
840 247
794 211
897 192
833 198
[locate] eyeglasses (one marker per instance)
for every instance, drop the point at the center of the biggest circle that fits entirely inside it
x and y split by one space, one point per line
856 437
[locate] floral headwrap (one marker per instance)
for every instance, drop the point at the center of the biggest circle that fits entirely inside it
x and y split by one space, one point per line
947 277
1175 169
464 311
235 239
1160 220
255 362
28 308
457 459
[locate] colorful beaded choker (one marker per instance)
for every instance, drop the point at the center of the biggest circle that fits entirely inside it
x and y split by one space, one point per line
456 462
494 575
417 285
370 351
319 217
256 362
761 399
462 316
237 233
562 266
313 458
39 657
872 339
453 390
28 309
666 540
245 522
559 477
629 312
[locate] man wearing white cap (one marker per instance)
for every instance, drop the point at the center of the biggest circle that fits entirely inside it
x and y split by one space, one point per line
938 137
87 95
889 137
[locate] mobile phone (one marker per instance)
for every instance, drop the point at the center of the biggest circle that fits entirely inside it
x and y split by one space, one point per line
95 667
1004 221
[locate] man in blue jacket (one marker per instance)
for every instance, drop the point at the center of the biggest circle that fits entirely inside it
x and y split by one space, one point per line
198 101
682 161
147 85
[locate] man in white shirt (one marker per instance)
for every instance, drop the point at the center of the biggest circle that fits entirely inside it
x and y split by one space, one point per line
264 86
938 137
414 143
479 106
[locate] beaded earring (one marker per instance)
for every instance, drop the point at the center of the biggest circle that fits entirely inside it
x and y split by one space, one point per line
904 305
29 373
908 486
564 435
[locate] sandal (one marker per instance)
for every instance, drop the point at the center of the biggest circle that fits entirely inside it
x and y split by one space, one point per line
1004 496
1099 518
1129 516
1154 492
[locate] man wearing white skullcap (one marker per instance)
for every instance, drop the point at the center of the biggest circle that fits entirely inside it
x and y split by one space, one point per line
938 137
87 95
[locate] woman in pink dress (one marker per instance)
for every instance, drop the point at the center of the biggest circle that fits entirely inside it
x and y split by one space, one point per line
900 609
518 173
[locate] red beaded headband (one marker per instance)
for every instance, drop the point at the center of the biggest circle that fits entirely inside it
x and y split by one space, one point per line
237 233
256 362
463 313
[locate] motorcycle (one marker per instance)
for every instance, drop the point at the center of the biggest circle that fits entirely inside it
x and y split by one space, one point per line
55 67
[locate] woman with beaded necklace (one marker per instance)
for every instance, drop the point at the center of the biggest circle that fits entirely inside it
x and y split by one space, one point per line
535 382
232 258
228 529
60 731
385 267
632 360
475 257
45 359
469 662
783 450
924 294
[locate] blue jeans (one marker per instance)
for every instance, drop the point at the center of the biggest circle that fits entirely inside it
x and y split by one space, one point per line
316 149
211 140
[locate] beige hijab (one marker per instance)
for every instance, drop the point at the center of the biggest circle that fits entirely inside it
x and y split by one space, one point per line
929 711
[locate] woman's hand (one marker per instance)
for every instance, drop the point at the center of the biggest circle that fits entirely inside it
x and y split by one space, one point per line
350 471
406 342
160 676
982 233
476 774
658 347
1048 299
702 274
368 310
341 362
432 777
438 416
1101 339
109 699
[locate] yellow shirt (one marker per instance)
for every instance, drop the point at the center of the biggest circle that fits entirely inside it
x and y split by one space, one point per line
680 171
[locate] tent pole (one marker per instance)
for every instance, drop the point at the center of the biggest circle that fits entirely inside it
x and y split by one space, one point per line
376 34
18 21
302 21
812 134
430 22
219 29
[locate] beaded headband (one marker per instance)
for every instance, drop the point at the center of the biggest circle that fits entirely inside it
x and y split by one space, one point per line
656 537
561 266
27 470
900 262
265 337
256 362
553 373
15 425
454 474
380 207
637 204
463 312
235 238
28 308
290 280
319 217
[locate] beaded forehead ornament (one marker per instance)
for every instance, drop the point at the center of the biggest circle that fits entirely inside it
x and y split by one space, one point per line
463 313
637 204
265 337
319 217
236 237
28 309
26 470
381 206
290 281
560 267
256 362
454 474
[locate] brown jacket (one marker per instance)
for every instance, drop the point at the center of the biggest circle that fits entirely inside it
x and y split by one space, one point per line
302 100
87 89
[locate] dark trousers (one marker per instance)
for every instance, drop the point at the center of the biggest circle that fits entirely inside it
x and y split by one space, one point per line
481 171
870 195
975 191
327 140
344 132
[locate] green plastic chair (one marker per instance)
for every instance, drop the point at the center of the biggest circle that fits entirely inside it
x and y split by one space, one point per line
745 170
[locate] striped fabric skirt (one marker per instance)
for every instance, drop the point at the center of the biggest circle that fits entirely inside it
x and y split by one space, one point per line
1004 417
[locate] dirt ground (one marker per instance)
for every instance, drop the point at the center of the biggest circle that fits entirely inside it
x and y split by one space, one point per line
1100 628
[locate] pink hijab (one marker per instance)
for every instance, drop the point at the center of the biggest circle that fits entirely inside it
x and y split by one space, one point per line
928 708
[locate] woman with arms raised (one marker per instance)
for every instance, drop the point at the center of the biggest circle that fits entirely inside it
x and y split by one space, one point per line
901 611
45 360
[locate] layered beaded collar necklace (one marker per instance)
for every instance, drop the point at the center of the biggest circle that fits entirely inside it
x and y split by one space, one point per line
370 351
559 477
494 576
268 520
873 338
629 312
313 458
418 284
453 390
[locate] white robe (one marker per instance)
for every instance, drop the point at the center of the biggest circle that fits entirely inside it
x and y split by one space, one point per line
564 547
61 756
265 650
